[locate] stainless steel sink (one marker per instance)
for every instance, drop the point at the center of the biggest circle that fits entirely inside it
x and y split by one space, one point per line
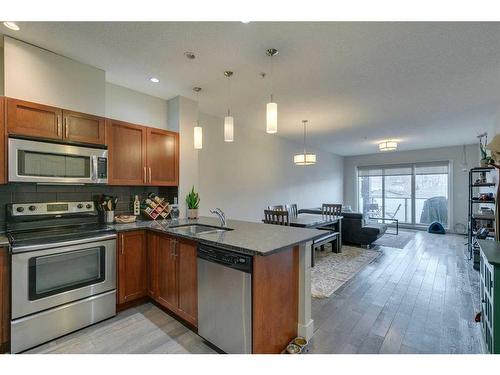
193 229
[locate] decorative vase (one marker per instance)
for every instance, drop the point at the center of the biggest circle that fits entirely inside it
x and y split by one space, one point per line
192 213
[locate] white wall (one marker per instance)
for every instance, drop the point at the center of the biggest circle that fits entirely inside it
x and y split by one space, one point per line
132 106
182 116
41 76
2 73
460 179
257 170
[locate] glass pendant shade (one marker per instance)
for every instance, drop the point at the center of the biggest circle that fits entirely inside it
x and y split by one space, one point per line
198 137
388 146
228 129
272 118
304 159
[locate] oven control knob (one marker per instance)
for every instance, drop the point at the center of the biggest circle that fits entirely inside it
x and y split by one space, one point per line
20 209
32 208
89 206
79 205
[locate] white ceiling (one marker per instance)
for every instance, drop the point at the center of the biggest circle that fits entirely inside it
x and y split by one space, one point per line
424 84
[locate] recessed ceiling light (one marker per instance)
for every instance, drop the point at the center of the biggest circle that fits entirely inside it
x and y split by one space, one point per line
245 21
11 25
154 80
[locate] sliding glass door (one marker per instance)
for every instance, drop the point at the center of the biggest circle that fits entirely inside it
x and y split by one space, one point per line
415 194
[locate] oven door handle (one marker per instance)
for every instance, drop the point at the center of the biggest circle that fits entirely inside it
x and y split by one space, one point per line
54 245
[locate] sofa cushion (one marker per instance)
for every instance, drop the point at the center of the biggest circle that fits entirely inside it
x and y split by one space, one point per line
374 229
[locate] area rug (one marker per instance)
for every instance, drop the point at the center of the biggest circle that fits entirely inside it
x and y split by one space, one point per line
398 241
332 270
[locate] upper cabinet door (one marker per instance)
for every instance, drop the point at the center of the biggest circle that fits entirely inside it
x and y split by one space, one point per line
80 127
126 153
162 157
34 120
3 144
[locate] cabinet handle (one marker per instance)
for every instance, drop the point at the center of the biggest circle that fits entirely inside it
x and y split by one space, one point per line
58 125
122 245
66 129
149 174
145 178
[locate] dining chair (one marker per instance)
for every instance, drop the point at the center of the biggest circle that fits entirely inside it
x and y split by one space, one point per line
278 207
278 217
292 209
331 209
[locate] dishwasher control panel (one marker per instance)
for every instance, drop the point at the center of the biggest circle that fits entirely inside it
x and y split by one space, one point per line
226 257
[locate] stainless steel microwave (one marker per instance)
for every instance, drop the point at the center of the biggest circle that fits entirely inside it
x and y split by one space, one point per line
55 163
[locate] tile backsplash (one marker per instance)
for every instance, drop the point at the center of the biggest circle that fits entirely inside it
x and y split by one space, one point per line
28 192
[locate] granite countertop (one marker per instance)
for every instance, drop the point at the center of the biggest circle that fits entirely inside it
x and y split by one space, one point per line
491 250
245 237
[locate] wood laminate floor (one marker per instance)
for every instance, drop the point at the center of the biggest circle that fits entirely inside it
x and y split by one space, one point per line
420 299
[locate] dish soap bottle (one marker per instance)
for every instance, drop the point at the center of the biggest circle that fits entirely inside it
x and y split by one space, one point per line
137 206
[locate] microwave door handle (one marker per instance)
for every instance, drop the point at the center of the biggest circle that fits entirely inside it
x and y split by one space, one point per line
94 168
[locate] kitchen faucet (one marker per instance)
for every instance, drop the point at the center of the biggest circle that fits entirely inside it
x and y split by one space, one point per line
221 215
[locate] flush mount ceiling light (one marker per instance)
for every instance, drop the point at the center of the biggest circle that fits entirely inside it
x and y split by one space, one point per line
154 80
388 146
11 25
304 158
271 107
228 120
198 130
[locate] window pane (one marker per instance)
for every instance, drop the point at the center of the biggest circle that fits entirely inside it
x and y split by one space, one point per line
370 195
431 198
398 198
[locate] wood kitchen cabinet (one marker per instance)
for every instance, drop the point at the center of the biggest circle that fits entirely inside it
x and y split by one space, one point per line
33 119
84 128
42 121
173 275
126 153
3 144
4 300
132 266
162 157
153 243
139 155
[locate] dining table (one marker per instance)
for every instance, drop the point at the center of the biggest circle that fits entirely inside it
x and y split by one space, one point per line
313 221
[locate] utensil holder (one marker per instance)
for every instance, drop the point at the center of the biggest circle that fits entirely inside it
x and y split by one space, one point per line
109 217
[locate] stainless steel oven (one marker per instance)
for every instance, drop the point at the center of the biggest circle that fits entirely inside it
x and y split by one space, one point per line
60 287
55 163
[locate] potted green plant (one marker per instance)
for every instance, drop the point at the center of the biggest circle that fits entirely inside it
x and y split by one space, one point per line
192 201
486 159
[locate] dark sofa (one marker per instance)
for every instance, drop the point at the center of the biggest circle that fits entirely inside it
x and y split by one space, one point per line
354 228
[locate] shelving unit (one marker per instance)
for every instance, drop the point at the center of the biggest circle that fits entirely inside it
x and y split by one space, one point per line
478 220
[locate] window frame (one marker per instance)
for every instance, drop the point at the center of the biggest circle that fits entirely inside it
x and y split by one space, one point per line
413 166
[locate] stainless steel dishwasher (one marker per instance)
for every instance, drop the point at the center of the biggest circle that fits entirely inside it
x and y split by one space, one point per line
225 299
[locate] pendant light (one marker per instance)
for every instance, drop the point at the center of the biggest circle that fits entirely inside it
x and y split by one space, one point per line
304 158
198 130
228 120
272 107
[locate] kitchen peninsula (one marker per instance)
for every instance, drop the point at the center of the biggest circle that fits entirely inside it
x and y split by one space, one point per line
158 260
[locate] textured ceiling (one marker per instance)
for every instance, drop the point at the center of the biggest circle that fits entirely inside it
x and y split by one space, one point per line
425 84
